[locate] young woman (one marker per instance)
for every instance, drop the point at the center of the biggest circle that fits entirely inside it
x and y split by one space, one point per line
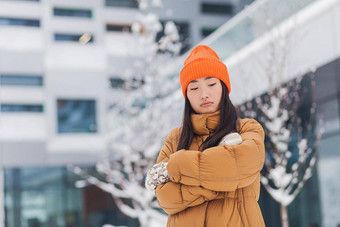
208 171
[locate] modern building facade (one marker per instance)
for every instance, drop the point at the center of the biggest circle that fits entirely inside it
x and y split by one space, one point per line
307 38
58 65
53 96
299 41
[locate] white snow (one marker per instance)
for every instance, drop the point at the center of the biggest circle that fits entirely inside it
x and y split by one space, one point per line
140 125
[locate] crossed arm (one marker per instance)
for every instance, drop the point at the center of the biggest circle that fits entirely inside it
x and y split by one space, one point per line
197 177
174 197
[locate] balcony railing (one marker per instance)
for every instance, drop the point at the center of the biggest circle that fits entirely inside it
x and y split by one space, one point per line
252 22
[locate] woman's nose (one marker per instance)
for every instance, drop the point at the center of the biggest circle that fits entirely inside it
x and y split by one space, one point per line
204 94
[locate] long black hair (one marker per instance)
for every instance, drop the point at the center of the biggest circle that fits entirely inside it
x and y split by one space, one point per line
228 123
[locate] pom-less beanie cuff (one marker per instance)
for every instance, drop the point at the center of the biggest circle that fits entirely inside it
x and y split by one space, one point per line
203 62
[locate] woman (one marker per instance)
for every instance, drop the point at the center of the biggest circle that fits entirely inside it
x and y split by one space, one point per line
208 171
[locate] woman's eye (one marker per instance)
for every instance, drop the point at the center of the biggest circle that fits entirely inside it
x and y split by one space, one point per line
212 84
194 88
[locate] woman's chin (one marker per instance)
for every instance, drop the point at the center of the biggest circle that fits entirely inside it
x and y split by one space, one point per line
206 110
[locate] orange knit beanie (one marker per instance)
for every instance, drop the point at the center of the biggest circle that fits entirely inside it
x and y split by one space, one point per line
203 62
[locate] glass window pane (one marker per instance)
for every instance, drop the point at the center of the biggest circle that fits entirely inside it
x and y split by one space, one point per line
329 171
235 39
66 37
207 31
76 116
118 28
117 83
85 13
41 197
18 80
34 177
328 113
225 43
21 108
337 74
71 37
214 8
122 3
47 197
325 79
19 22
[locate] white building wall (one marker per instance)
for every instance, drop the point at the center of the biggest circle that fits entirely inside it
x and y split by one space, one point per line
71 71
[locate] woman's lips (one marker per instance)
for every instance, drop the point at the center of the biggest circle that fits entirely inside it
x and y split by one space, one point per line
206 104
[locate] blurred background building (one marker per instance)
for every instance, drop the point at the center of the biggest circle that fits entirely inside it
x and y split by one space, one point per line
61 61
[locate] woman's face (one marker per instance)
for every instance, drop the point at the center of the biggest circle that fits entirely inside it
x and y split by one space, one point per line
205 94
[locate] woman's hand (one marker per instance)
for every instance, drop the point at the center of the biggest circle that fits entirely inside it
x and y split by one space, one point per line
157 175
231 139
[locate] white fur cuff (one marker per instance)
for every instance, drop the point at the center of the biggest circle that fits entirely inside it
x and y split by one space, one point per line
231 139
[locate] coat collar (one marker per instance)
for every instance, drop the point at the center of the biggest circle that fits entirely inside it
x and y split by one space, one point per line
204 124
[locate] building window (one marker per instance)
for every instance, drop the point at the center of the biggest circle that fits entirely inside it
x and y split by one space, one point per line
117 83
85 13
328 113
215 8
131 84
207 31
76 116
118 27
122 3
18 80
21 108
7 21
22 0
47 196
41 197
81 38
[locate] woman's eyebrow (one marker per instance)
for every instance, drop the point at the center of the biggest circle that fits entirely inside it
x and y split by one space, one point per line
207 78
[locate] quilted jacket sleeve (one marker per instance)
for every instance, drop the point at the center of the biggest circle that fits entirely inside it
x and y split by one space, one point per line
176 197
222 168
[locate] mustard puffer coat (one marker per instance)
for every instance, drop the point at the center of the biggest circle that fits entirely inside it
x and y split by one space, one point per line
217 187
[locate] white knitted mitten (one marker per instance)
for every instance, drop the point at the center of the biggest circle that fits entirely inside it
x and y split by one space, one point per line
157 175
231 139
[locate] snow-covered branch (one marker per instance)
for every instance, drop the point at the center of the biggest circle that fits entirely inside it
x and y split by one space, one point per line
286 111
140 123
